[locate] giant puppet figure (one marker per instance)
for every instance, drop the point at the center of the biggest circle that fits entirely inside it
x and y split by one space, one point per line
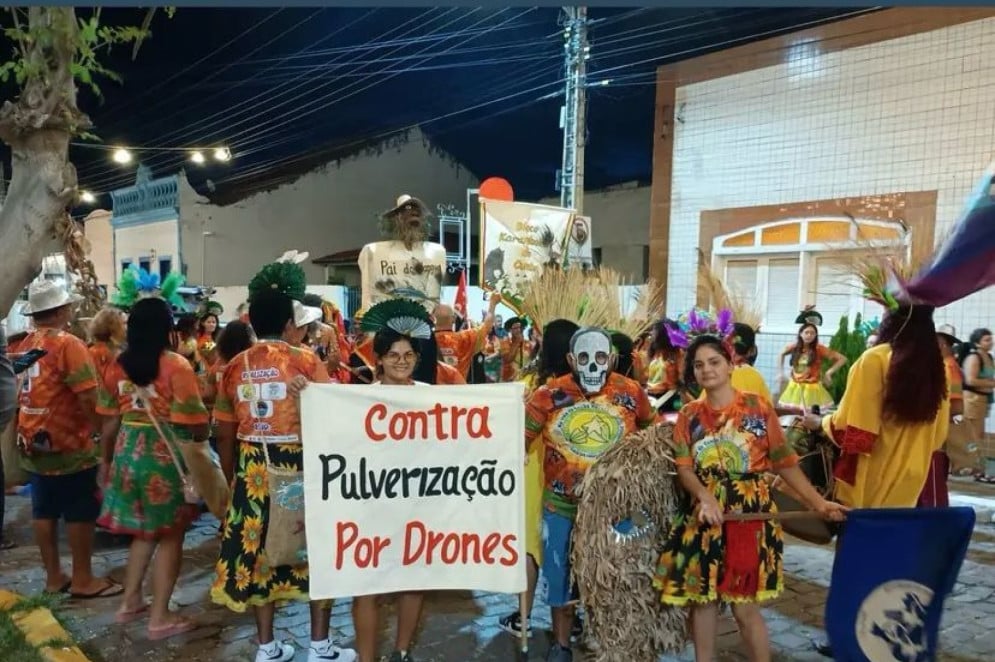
404 265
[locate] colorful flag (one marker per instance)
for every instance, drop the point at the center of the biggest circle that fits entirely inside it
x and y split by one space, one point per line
893 570
966 261
460 304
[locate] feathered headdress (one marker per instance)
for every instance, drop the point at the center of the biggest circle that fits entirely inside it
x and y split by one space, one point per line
696 322
136 284
870 327
744 306
402 316
287 277
961 266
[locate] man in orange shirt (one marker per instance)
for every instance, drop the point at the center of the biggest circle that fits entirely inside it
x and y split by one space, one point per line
516 351
55 429
456 348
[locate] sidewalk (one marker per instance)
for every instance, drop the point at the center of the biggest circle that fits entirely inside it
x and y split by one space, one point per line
461 626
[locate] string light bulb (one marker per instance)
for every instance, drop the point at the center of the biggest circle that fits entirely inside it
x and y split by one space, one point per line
122 156
197 157
87 197
222 154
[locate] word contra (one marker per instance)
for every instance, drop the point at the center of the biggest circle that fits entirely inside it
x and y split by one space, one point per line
441 422
423 545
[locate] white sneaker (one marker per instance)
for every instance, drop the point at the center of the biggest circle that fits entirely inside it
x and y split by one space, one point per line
276 651
329 652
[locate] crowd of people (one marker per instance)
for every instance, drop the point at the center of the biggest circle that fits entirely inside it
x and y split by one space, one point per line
100 427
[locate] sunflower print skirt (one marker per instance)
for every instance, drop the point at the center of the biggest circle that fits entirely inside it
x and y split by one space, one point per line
735 562
243 577
144 493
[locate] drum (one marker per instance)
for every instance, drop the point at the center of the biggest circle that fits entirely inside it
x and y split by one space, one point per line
817 455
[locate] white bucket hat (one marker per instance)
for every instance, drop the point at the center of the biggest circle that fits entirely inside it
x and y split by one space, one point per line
304 315
48 295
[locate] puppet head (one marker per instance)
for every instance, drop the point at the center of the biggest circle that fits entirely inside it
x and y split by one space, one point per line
407 222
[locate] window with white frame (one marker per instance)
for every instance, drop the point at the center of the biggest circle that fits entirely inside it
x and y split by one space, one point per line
786 265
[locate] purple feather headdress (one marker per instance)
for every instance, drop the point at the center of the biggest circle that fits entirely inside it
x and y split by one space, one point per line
698 322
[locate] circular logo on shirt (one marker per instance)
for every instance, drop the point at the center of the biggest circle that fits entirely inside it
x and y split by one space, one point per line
589 430
891 622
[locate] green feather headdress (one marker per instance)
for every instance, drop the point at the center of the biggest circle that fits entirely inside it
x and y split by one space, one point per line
286 277
403 316
136 284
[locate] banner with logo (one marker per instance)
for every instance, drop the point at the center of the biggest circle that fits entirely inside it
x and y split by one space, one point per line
412 488
519 239
892 573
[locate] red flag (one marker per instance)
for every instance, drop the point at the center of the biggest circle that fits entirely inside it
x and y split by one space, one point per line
460 304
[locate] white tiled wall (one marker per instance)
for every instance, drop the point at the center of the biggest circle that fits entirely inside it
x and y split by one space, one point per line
911 114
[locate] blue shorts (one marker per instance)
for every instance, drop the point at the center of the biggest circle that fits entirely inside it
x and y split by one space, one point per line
72 497
556 534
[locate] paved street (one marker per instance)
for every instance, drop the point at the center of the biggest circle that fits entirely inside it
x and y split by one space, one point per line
462 626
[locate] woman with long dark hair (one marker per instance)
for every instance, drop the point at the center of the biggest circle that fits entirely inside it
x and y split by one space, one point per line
153 403
725 443
664 376
894 414
806 385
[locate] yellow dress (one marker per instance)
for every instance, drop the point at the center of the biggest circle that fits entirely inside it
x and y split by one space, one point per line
748 379
884 463
534 481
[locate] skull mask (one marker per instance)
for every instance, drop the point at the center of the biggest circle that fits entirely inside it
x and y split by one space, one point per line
591 358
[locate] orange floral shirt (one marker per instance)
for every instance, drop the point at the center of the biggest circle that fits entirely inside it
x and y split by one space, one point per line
745 437
955 380
577 429
50 417
257 399
103 355
805 372
175 395
446 375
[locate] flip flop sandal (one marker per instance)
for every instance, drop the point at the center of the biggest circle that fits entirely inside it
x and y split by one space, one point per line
171 630
7 544
123 617
108 591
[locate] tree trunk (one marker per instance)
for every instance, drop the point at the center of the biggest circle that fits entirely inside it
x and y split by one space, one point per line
42 182
38 126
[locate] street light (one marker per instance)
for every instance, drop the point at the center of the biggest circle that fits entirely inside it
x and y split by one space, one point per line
122 156
198 158
222 154
87 197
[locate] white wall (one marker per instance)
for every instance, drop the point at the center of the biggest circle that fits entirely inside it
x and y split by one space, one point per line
331 209
620 226
139 241
100 235
911 114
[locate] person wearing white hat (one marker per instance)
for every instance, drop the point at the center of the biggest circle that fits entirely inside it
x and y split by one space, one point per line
55 434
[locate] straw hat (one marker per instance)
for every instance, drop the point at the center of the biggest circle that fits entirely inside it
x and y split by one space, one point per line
403 201
48 295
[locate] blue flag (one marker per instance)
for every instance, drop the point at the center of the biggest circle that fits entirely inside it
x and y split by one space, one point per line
892 573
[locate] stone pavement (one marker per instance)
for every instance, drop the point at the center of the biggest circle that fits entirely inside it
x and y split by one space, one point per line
461 626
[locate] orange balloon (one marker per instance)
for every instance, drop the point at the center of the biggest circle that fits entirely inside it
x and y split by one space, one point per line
496 188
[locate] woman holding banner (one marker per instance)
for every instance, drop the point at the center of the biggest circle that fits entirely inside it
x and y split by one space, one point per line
724 444
259 431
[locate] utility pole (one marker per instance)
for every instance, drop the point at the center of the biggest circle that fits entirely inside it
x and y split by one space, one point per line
573 114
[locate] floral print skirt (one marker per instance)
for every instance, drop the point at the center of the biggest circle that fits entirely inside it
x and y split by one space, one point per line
144 493
735 562
243 576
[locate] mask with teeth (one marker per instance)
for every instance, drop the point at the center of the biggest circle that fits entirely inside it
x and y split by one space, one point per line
592 358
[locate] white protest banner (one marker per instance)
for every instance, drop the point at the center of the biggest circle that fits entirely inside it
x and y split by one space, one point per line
519 239
411 488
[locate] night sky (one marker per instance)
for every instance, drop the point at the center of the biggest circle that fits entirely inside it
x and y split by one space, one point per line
277 84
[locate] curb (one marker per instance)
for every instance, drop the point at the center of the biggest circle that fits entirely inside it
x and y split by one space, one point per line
40 627
984 509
